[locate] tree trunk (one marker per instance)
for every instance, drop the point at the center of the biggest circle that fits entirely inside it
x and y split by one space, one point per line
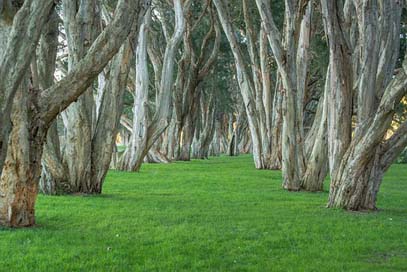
19 33
277 124
317 161
187 138
110 110
162 117
138 140
340 96
81 24
20 178
357 165
54 177
192 70
208 132
21 172
251 87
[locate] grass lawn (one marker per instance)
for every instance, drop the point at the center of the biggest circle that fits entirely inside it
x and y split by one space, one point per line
214 215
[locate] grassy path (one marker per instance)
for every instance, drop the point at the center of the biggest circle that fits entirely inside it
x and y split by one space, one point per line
215 215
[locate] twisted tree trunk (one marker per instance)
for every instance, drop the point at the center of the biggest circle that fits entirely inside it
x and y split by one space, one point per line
357 165
20 177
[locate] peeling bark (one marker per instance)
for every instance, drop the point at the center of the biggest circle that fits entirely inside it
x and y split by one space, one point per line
357 165
20 178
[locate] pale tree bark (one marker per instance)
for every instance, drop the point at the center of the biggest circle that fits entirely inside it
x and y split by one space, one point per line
134 157
104 139
240 131
292 156
340 96
169 140
91 126
276 129
81 21
317 155
216 143
138 139
54 175
231 135
251 86
20 179
358 168
261 83
20 31
291 52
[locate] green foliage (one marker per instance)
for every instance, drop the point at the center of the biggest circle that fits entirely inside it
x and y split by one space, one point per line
403 37
214 215
403 157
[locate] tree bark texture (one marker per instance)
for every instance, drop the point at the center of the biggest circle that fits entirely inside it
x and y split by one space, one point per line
20 177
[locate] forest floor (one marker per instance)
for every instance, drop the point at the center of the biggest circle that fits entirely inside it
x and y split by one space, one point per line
215 215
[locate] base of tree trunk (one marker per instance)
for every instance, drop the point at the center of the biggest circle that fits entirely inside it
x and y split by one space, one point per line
292 188
356 192
184 156
17 207
97 190
154 156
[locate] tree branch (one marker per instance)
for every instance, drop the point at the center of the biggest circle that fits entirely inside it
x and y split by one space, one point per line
57 98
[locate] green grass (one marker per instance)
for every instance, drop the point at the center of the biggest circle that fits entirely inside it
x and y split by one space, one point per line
214 215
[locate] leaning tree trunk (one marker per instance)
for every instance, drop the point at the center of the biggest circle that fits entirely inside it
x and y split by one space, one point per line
104 139
357 180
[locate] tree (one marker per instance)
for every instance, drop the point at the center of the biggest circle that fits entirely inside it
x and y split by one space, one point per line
254 85
145 133
80 163
193 69
37 109
364 39
303 164
21 26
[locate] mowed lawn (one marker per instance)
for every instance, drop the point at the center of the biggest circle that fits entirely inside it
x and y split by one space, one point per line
215 215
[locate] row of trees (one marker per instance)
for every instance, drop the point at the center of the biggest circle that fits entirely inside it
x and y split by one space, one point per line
365 82
314 88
